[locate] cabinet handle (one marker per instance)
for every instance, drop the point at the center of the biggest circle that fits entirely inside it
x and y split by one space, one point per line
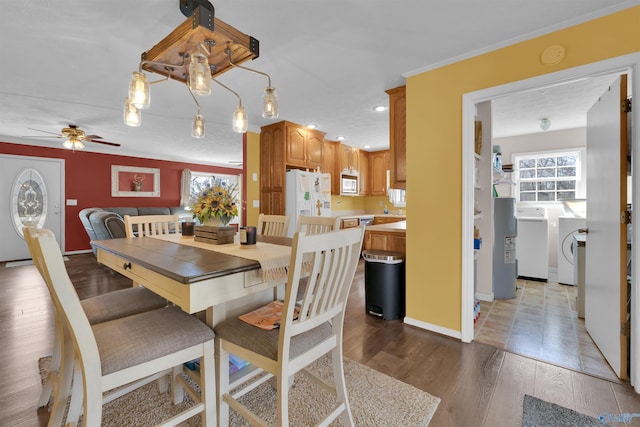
126 265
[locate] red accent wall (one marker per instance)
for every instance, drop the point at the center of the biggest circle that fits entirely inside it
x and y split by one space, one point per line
88 180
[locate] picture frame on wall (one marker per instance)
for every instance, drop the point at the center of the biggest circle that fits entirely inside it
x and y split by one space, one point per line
133 181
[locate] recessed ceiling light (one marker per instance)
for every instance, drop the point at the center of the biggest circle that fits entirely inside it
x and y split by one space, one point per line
311 126
340 138
380 108
366 146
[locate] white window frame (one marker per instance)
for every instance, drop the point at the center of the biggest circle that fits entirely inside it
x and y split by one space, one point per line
581 170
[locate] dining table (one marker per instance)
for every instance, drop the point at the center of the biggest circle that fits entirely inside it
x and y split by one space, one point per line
221 280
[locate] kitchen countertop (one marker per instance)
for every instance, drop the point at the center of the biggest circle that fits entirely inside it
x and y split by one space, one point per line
371 216
392 227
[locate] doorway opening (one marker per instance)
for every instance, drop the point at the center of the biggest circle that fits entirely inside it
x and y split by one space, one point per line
627 64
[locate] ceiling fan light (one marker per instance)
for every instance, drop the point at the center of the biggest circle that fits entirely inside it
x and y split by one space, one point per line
200 75
270 103
139 90
78 145
67 144
132 115
198 126
240 122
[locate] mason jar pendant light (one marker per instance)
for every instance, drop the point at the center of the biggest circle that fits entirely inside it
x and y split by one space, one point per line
198 126
139 90
131 114
270 103
240 122
200 74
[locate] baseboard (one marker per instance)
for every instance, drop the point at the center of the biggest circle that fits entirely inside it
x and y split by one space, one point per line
433 328
484 297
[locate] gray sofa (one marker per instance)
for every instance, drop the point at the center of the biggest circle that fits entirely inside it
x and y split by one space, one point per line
108 223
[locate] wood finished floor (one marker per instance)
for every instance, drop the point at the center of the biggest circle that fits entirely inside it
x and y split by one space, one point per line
542 322
479 384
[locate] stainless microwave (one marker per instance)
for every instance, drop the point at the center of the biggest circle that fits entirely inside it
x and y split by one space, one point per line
349 184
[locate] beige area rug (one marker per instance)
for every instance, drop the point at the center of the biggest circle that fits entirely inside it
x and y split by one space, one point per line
376 400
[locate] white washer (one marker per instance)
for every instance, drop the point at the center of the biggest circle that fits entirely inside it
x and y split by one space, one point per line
532 243
567 227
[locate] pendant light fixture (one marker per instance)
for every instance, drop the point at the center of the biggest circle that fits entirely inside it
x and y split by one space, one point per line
131 113
187 55
197 129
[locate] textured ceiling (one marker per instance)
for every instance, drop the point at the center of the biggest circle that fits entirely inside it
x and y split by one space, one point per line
69 62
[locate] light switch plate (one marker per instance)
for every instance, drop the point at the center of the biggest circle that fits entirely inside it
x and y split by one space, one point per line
254 176
256 203
72 202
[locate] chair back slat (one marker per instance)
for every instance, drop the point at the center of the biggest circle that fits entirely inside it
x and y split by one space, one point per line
150 225
329 260
317 224
273 225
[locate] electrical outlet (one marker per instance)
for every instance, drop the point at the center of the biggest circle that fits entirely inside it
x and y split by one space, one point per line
379 203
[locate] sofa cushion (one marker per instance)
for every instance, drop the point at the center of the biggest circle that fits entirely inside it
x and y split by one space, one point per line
98 221
154 211
123 211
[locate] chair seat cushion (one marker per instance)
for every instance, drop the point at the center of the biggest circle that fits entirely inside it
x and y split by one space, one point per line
117 304
137 339
265 342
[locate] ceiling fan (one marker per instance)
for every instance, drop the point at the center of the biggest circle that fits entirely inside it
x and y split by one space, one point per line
74 137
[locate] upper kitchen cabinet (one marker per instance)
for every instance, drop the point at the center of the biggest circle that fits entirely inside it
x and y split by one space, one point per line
378 166
364 180
398 136
304 147
330 164
349 159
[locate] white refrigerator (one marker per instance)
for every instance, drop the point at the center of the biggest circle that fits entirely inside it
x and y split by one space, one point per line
309 194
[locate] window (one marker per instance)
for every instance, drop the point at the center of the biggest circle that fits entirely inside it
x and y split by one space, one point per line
200 179
549 176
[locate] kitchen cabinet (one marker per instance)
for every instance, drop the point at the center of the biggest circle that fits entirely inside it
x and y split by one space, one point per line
398 136
363 171
387 219
349 158
349 222
378 166
330 164
304 147
385 241
272 170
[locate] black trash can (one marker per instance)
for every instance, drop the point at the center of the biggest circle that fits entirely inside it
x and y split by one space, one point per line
384 281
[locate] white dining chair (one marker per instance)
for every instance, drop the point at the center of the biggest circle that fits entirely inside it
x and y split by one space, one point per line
151 225
100 308
111 354
317 224
329 260
273 225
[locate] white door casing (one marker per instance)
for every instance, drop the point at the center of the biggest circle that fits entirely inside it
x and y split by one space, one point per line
606 249
32 191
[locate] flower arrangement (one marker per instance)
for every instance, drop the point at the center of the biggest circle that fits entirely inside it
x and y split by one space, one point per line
216 198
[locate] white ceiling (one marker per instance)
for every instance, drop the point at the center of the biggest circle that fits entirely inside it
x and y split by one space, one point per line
70 61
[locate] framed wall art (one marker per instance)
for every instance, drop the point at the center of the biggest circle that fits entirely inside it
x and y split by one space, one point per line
132 181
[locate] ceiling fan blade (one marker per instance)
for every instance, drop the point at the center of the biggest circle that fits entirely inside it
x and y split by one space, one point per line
41 136
46 131
90 137
113 144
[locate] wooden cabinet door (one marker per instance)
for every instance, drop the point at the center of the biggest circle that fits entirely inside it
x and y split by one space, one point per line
331 166
398 136
397 243
314 150
378 166
348 159
295 146
363 170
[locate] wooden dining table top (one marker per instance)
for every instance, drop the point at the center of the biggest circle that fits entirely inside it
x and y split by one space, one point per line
182 263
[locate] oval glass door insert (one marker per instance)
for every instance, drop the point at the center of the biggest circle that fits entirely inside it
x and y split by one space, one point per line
28 200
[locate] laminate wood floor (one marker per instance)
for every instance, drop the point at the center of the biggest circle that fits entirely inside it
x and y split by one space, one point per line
479 384
542 322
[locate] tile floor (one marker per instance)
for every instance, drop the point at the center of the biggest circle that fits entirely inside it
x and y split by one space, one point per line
541 322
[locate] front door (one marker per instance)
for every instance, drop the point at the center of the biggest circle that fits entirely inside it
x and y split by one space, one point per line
606 249
30 193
